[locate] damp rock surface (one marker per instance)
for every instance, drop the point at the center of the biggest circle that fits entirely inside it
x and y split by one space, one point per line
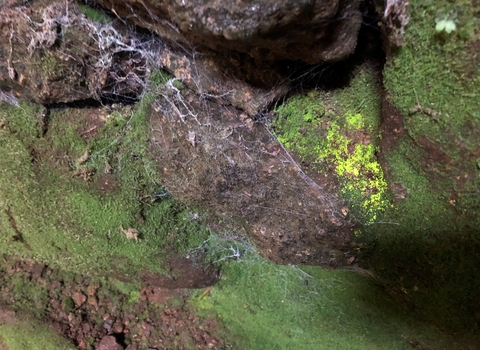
308 30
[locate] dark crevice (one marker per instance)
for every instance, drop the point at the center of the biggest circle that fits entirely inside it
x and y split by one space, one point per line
105 100
87 103
18 237
58 39
337 75
126 99
46 121
120 338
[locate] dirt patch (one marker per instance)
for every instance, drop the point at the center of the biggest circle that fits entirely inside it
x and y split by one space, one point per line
95 314
392 128
90 121
184 273
105 183
218 158
6 316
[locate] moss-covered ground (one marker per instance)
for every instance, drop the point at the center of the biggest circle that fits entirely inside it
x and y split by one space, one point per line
267 306
62 195
76 203
337 131
421 232
427 248
22 333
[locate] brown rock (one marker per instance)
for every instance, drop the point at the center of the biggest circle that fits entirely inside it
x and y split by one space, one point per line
252 180
308 30
109 343
51 53
37 270
79 298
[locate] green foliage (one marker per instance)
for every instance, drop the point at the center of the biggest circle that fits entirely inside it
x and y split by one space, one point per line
441 75
67 222
328 130
27 334
94 14
267 306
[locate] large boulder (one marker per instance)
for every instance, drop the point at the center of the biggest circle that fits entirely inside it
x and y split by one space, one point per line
309 30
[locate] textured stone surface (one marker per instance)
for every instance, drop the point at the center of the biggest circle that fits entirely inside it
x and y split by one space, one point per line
308 30
109 343
210 78
51 53
217 158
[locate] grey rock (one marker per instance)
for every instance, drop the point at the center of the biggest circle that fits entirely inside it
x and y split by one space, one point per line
308 30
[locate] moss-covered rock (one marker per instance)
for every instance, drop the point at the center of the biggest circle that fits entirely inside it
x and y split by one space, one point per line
80 193
337 132
429 151
419 222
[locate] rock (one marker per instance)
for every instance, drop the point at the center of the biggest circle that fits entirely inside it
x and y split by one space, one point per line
51 53
37 270
109 343
308 30
210 78
79 298
6 316
237 169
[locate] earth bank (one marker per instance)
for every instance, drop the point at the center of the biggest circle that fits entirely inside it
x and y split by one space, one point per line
383 170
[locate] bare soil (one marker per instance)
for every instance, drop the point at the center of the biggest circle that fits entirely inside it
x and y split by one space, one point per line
94 314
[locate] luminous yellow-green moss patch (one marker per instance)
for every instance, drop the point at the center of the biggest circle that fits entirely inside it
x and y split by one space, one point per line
337 131
353 156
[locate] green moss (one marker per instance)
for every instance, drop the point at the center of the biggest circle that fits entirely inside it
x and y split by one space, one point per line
302 125
425 250
159 78
26 121
266 306
29 296
328 131
51 65
436 73
26 334
68 304
63 136
64 220
94 14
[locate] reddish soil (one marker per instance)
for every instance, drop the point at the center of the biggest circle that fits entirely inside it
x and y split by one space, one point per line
94 314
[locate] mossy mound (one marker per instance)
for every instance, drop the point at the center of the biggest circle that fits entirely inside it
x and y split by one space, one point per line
80 193
267 306
428 249
337 132
424 238
20 333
